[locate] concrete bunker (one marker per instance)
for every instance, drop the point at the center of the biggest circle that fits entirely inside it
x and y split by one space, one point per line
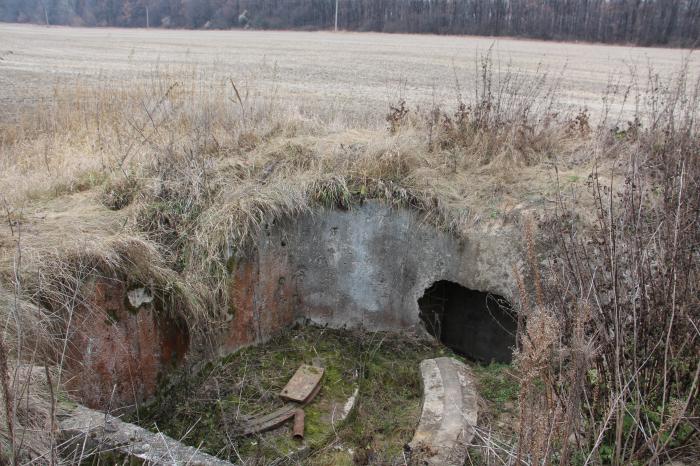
368 267
474 323
365 267
375 266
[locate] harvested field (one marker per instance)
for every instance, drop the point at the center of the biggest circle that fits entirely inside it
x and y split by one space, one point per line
355 73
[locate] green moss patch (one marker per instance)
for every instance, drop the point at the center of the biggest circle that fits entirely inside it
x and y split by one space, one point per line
207 409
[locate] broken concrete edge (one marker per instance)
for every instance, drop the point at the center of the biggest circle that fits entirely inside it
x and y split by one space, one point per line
137 297
91 432
449 413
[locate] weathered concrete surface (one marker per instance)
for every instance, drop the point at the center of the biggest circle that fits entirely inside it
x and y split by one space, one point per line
118 351
366 266
449 413
262 301
90 431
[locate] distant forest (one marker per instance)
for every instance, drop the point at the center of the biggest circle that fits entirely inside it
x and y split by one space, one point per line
641 22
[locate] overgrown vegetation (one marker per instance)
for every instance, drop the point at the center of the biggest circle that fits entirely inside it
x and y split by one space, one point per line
166 182
207 409
609 358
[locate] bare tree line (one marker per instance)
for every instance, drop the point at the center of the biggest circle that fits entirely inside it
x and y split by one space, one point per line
642 22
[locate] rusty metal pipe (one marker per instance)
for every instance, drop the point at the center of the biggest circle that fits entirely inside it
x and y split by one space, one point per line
298 429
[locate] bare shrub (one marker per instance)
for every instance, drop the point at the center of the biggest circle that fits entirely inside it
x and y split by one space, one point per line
397 116
512 118
609 356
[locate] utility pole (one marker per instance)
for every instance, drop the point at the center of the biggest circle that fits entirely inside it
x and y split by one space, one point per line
336 15
148 20
46 13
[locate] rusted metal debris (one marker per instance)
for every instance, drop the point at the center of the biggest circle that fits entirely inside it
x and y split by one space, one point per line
301 389
298 430
303 385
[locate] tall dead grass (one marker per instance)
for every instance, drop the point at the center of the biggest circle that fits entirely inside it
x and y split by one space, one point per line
609 356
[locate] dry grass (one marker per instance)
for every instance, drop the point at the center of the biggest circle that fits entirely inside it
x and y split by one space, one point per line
33 434
28 346
161 179
608 354
199 170
60 275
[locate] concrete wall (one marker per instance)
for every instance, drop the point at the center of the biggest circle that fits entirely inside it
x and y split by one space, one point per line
120 346
363 267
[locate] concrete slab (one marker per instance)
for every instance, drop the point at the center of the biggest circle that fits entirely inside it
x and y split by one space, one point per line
90 431
449 413
303 384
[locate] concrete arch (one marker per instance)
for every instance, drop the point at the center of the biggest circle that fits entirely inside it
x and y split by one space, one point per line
363 267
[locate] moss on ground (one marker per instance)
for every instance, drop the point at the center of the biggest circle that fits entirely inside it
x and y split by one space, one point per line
497 384
206 409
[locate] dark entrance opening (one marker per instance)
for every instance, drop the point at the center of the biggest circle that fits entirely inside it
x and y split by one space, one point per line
478 325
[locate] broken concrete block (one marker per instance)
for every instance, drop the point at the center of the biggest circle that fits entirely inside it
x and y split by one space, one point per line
92 432
449 413
139 296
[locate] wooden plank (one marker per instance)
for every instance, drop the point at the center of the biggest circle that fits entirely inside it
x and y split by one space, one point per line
262 419
271 420
303 387
303 383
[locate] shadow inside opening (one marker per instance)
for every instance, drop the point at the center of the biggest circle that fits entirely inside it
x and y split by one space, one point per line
478 325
